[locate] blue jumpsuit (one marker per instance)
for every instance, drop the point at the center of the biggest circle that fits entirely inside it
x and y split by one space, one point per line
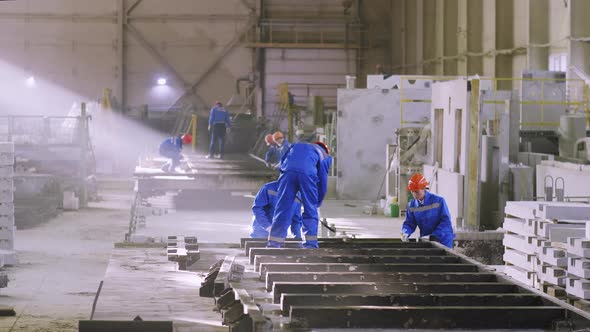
432 217
219 121
304 169
274 154
171 148
264 208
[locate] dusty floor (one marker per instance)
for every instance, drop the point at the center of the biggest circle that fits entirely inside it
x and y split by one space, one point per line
62 262
61 265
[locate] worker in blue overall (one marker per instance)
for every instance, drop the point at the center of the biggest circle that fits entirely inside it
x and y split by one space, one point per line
219 124
264 208
171 148
272 155
428 212
282 144
304 168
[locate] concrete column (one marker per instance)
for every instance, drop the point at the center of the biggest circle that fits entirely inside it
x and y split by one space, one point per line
489 36
120 70
538 31
419 36
474 36
450 48
429 36
580 28
411 37
440 35
504 40
462 41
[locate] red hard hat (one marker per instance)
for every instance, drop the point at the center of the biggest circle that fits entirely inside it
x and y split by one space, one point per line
268 139
417 182
187 139
277 136
324 146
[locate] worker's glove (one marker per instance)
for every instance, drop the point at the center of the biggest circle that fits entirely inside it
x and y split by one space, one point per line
404 237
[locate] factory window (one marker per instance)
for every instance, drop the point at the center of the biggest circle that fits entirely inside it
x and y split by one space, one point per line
558 62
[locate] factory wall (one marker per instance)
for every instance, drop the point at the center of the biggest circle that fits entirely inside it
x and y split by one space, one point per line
75 49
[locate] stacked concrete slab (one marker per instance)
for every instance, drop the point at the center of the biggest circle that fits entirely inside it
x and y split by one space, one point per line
540 241
7 227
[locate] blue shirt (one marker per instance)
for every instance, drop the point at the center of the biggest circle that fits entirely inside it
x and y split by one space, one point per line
265 202
171 145
309 159
432 217
219 115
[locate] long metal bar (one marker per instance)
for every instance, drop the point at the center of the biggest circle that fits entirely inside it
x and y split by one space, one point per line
343 267
344 251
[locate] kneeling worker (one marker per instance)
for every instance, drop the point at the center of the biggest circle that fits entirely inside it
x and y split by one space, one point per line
428 212
264 208
172 148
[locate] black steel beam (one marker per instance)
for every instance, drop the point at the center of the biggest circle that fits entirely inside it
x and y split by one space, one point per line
345 251
429 317
376 277
345 267
412 300
347 245
280 288
356 259
243 241
124 326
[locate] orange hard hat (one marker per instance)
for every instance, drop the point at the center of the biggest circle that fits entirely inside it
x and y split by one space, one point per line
324 146
187 139
417 182
277 136
268 139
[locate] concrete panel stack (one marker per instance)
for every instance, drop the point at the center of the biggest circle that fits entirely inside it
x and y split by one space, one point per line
539 247
7 227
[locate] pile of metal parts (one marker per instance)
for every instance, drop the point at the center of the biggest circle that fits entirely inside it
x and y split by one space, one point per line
375 283
184 250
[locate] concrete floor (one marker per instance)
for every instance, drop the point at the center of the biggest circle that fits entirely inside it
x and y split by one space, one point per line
62 262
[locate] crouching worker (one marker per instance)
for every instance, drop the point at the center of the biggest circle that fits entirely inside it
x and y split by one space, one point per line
171 148
264 208
304 169
428 212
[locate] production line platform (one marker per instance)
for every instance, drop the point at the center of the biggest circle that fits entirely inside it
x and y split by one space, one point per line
375 283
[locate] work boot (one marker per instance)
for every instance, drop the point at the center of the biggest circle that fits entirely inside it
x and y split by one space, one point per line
209 157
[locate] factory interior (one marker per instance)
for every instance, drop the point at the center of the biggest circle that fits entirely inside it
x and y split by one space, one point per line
280 165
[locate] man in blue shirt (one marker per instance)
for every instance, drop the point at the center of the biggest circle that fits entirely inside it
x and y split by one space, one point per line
282 144
428 212
172 148
272 155
304 168
219 123
263 210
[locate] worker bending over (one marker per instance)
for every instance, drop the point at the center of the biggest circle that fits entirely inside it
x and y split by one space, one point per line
428 212
272 155
264 208
219 124
304 168
171 148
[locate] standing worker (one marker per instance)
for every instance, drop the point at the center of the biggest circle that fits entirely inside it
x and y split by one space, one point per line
172 148
281 142
304 169
219 124
272 155
264 208
428 212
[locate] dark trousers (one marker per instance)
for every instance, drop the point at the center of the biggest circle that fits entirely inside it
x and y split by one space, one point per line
217 139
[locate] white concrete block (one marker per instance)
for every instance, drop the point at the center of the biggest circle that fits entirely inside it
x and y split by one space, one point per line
579 267
7 221
8 257
6 196
553 256
530 227
7 234
6 171
525 244
514 225
6 147
522 260
552 275
548 210
560 231
7 209
579 247
6 159
6 184
521 209
521 275
578 287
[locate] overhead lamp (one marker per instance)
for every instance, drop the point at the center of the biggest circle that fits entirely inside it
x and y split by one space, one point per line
162 81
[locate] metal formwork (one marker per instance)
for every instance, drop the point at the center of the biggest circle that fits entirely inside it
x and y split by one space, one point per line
379 283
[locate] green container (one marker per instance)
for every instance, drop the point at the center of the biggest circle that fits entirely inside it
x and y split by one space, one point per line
394 208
